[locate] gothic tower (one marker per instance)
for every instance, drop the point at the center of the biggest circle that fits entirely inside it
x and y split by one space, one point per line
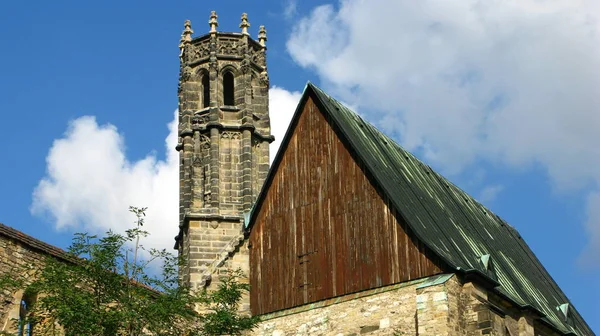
224 137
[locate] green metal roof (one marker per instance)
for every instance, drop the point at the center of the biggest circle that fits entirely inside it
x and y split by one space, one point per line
448 221
466 235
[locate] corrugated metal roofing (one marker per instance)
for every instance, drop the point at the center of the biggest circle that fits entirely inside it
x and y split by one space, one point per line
449 221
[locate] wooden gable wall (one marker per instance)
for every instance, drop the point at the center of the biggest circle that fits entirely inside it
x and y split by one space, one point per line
323 230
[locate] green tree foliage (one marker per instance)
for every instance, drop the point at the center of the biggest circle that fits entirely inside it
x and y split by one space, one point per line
114 287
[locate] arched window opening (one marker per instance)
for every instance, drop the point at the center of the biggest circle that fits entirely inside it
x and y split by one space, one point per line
228 95
25 326
205 91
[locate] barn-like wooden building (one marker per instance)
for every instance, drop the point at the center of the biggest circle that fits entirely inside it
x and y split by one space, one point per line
345 210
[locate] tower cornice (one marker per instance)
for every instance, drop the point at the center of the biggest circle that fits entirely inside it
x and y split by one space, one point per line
224 135
224 127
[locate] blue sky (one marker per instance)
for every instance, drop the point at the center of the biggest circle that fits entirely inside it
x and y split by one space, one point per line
501 97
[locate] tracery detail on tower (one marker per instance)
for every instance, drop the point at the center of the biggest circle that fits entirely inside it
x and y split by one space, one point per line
198 120
224 132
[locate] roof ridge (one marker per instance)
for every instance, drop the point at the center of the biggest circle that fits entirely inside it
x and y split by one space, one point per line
52 250
35 243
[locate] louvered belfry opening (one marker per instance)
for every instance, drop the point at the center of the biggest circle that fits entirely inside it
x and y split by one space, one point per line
228 83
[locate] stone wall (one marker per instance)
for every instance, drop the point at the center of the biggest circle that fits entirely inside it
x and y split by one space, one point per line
224 149
420 307
210 243
20 256
437 306
486 314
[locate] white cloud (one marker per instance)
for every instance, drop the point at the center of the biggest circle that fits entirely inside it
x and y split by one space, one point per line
591 254
489 193
291 9
514 82
90 182
282 105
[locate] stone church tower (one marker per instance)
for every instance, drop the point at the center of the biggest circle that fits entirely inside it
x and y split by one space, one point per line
224 137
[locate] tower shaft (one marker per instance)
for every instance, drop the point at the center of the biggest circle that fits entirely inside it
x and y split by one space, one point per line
224 137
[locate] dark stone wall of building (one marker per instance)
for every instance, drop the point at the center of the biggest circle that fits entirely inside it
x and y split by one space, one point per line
20 257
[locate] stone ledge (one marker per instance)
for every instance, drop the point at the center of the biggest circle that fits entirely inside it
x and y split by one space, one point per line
201 216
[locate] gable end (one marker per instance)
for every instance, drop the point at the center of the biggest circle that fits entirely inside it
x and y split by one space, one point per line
322 229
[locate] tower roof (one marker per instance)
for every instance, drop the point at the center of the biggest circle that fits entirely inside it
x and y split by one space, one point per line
466 235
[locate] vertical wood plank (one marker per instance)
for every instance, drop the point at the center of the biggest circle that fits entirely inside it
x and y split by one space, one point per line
321 208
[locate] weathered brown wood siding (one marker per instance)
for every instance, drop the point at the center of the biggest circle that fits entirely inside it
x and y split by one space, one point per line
323 230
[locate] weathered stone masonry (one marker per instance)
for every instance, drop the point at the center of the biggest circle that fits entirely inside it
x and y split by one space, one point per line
20 256
436 306
224 137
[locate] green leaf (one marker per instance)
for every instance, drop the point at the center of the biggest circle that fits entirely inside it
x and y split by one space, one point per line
110 289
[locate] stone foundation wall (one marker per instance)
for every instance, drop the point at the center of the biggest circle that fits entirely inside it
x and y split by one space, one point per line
435 306
418 307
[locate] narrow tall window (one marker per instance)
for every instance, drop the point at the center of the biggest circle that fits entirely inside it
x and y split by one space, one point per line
25 327
205 91
228 96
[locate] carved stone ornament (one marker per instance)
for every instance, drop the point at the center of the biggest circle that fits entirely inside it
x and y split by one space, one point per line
198 120
228 47
197 161
186 74
258 57
204 142
188 53
203 50
195 53
245 66
230 135
264 78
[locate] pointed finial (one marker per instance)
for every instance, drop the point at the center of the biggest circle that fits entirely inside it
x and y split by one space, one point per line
262 35
213 22
186 36
245 24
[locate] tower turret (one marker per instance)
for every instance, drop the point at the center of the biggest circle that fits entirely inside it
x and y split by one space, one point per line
224 137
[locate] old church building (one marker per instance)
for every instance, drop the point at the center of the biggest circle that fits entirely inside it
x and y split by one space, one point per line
346 233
